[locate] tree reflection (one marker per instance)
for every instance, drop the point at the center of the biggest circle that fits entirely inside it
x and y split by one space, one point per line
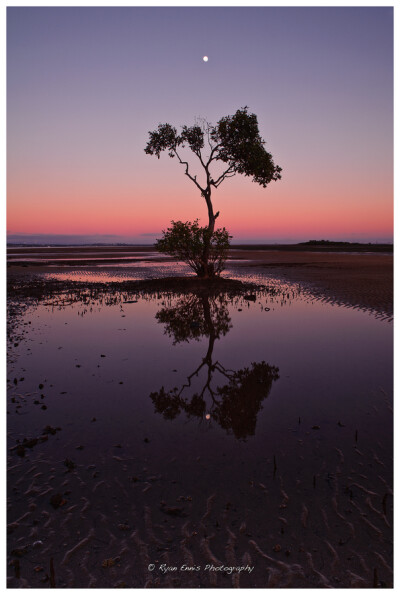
235 404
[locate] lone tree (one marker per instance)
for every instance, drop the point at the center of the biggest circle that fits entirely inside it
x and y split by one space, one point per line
235 144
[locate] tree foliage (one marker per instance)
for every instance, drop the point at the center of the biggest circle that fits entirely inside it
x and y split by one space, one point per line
235 144
186 241
234 140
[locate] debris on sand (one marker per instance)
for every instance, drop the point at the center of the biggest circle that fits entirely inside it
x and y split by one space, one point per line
109 562
57 500
69 464
21 447
50 430
177 511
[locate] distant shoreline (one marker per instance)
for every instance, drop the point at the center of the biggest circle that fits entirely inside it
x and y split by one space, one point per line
317 247
312 246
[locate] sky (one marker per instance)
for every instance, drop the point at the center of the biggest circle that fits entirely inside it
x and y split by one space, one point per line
86 85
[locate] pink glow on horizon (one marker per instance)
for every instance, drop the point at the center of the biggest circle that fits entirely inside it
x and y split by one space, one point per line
266 213
131 201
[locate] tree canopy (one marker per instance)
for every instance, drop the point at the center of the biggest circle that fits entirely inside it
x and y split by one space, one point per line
236 145
234 140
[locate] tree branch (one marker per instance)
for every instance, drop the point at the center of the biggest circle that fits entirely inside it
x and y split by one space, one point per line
208 138
189 378
213 150
193 178
224 371
229 173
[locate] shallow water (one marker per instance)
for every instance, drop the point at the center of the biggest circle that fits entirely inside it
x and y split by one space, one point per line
77 259
120 272
247 432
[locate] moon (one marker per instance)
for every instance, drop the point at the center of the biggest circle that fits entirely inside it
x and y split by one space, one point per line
205 58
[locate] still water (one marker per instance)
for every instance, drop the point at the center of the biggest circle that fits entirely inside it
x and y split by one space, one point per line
250 434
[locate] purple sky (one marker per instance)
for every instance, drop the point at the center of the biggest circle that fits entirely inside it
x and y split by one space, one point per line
85 85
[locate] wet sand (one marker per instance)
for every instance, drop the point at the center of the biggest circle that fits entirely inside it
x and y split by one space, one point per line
79 518
118 522
362 280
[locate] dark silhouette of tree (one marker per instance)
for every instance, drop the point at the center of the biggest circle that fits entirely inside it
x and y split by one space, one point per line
235 144
235 405
195 316
185 241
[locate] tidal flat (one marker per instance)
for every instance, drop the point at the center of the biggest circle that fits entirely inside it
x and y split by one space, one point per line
170 436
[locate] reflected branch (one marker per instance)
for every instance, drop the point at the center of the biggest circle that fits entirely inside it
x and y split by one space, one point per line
233 405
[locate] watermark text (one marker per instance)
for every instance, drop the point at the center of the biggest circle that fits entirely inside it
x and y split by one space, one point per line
165 569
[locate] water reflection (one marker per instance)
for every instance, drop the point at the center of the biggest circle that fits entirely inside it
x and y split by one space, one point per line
312 477
234 405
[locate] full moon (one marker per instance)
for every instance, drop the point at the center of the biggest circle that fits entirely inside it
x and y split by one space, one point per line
205 58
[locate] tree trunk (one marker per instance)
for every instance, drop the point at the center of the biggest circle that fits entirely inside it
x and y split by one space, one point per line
207 269
210 331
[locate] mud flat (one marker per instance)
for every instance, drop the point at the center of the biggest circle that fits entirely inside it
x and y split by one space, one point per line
356 279
144 452
364 280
